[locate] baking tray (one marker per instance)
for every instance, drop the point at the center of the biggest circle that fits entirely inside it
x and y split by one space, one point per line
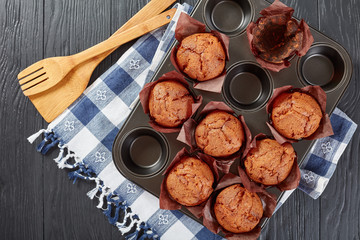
142 154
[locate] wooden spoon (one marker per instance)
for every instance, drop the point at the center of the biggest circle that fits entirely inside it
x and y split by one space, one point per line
52 102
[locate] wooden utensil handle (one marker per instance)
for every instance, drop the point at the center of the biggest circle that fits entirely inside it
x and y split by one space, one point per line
151 9
124 37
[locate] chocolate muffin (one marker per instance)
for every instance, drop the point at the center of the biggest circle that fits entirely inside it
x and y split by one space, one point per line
219 134
201 56
296 115
190 181
238 210
170 103
270 162
277 38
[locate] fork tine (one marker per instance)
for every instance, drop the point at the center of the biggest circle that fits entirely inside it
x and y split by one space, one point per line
30 70
35 86
31 77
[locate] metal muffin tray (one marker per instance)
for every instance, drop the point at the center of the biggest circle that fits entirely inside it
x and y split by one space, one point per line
142 154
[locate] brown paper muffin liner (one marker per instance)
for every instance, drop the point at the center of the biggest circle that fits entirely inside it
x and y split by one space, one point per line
187 136
145 93
284 12
166 201
210 221
325 128
290 182
187 26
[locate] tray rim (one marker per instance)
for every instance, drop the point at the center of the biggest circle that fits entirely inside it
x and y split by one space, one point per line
348 74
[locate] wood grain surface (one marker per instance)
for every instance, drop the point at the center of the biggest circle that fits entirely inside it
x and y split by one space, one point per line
37 200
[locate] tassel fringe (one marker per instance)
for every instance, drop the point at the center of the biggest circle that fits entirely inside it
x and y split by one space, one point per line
115 209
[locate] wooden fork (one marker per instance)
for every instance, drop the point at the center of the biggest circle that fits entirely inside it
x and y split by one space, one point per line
48 72
52 102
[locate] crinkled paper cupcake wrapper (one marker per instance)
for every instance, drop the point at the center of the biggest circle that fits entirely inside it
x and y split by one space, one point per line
275 9
187 134
187 26
209 220
166 201
325 128
290 182
144 99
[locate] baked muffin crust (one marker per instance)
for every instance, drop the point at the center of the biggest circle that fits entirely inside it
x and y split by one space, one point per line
296 115
201 56
219 134
270 162
238 210
190 181
170 103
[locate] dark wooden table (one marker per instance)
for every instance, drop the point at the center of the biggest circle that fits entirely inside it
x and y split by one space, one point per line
37 200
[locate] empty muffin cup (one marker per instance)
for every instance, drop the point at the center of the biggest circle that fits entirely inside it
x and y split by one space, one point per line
230 17
143 152
247 86
322 65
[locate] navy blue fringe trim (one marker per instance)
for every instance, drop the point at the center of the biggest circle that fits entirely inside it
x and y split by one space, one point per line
116 210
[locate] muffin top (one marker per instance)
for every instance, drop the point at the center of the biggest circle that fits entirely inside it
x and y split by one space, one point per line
296 115
201 56
170 103
190 181
270 162
219 134
238 210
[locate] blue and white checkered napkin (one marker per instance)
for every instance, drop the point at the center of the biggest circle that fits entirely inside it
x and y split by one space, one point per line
320 163
85 132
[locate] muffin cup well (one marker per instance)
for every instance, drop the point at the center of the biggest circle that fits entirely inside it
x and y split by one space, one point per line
142 152
187 26
166 201
145 93
187 134
282 11
247 86
210 221
324 129
230 17
290 182
322 65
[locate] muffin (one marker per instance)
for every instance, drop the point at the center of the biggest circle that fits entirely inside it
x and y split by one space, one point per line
219 134
201 56
288 38
295 115
275 37
238 210
190 181
270 162
170 103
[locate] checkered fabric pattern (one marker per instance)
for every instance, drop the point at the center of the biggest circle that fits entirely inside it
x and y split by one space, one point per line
320 163
87 129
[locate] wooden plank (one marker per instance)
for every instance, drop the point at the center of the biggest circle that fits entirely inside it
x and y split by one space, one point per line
37 199
120 13
340 206
69 27
305 9
299 217
21 191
